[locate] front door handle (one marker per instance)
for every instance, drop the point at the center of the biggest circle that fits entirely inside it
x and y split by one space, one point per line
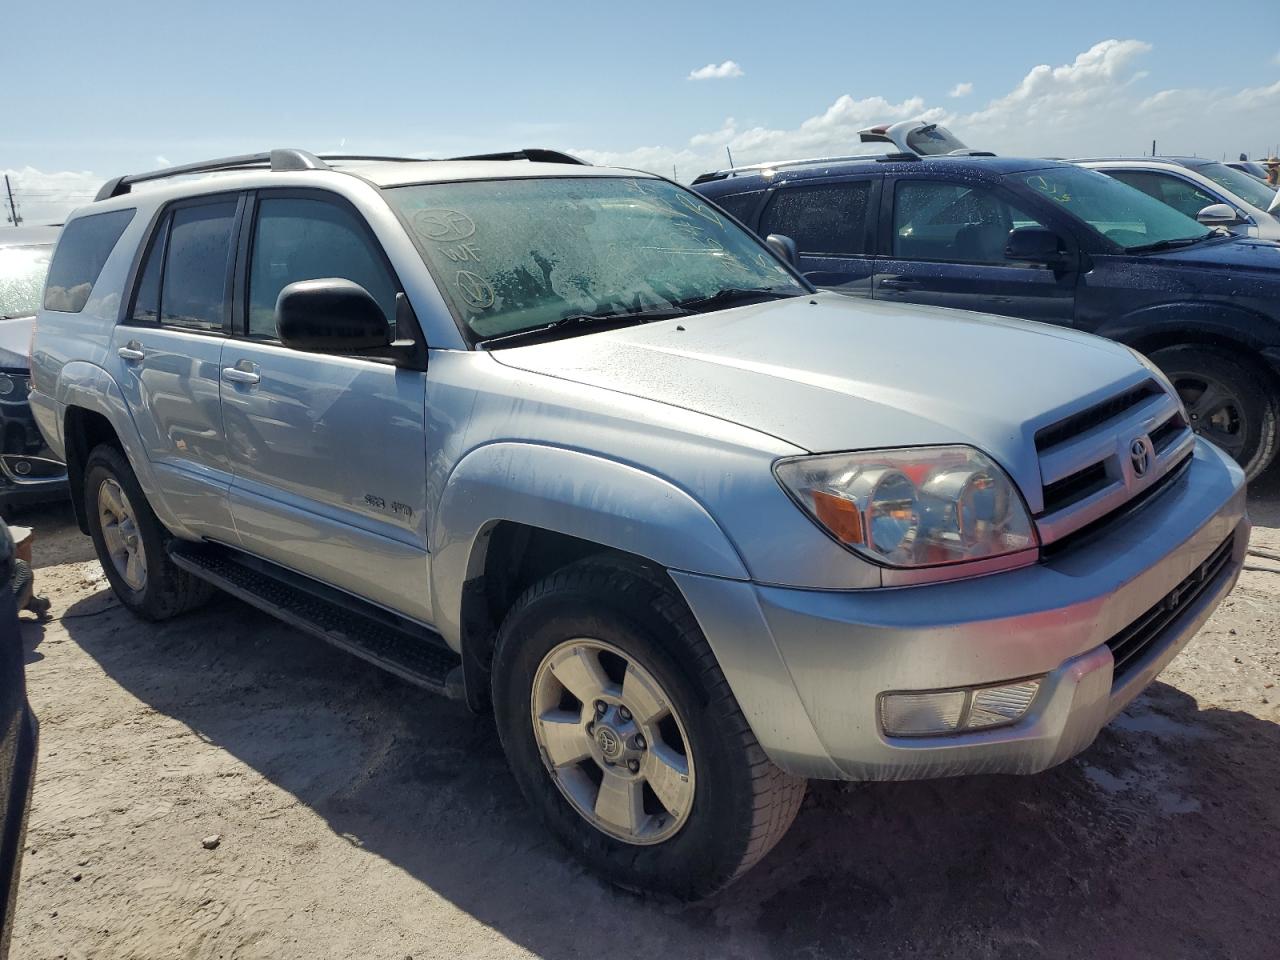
243 372
899 283
131 352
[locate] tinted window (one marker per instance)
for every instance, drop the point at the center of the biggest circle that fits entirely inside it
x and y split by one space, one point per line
300 239
146 305
741 205
1184 197
83 248
196 265
952 222
829 220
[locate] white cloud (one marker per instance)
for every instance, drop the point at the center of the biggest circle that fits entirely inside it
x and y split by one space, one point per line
1087 106
49 197
162 160
961 90
717 71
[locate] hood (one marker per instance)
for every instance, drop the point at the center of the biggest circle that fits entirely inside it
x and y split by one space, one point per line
1241 253
15 342
829 372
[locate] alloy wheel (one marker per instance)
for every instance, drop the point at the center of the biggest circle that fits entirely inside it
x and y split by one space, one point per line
612 741
121 536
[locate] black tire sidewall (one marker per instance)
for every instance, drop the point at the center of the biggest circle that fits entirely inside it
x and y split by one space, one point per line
107 462
708 849
1249 387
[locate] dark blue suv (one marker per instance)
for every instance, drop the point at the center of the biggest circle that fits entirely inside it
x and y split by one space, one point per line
1043 241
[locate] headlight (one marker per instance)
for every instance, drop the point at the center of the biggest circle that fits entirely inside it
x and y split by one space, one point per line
915 507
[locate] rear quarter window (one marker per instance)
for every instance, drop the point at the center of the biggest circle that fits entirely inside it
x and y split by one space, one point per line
82 250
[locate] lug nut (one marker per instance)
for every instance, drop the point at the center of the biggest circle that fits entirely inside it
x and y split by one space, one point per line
624 713
638 742
591 726
633 766
601 707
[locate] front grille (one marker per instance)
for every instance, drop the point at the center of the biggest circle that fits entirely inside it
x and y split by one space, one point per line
1076 487
1128 646
1086 420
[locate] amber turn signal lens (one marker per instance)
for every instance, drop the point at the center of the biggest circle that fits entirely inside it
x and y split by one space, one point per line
838 515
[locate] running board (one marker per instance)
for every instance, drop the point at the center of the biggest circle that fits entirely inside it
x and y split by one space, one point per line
392 642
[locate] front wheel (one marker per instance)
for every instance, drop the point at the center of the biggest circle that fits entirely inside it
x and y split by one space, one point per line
623 734
1228 401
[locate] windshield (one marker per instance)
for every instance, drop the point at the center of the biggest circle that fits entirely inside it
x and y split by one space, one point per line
1245 187
1119 212
22 272
512 255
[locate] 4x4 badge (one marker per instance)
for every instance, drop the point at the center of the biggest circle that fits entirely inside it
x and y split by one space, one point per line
1140 456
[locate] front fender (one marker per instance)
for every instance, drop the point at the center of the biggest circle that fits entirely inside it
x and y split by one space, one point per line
90 387
568 492
1160 325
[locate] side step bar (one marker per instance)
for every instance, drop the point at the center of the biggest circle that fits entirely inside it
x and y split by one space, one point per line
405 648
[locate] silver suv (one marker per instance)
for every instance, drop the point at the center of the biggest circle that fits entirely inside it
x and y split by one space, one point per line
569 443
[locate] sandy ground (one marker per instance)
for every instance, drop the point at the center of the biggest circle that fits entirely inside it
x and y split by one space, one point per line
362 818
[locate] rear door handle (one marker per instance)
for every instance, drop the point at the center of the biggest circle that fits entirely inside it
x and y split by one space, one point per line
899 283
243 372
132 352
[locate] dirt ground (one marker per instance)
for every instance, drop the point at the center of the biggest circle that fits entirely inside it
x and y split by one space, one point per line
362 818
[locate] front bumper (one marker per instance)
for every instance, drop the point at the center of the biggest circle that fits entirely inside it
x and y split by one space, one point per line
808 667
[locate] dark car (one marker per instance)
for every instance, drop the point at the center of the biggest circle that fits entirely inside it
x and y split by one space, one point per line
17 741
27 474
1047 241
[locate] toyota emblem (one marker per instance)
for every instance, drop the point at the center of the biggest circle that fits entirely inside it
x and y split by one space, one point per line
1140 456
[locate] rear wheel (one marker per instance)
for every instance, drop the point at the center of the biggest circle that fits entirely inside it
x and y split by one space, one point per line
623 734
1229 402
132 544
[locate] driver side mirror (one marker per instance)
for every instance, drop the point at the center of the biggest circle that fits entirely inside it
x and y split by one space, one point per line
1218 215
337 316
784 247
1036 245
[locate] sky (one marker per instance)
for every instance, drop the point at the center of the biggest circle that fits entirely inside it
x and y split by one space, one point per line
95 90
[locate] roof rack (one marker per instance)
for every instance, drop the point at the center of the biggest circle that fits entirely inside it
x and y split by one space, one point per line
533 154
734 171
370 157
284 159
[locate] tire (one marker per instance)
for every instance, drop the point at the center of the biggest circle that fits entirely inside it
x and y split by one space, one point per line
1230 401
739 804
164 590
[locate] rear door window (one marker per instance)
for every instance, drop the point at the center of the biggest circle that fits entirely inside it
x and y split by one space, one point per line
741 205
197 267
83 249
825 220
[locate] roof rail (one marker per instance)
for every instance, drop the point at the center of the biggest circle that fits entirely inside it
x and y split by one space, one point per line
284 159
370 157
533 154
734 171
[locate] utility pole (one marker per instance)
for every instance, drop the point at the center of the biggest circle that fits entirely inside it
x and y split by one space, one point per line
1153 148
13 210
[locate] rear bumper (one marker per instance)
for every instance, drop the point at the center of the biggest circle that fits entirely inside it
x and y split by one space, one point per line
808 667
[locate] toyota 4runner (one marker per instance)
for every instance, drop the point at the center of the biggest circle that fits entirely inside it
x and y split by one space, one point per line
571 444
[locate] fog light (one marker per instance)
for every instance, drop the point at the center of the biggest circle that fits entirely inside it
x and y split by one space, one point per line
940 712
993 706
7 386
922 714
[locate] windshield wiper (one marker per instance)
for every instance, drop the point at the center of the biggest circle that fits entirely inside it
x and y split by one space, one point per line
732 295
579 324
1170 244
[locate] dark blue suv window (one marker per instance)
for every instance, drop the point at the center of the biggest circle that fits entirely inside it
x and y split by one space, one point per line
824 219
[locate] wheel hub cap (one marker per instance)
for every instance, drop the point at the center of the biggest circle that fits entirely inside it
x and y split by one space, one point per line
612 741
